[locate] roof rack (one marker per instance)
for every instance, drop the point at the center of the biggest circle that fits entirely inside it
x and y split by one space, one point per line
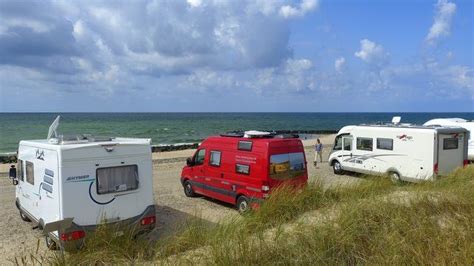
79 138
258 134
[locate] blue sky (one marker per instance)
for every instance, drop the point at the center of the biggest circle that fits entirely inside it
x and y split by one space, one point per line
222 55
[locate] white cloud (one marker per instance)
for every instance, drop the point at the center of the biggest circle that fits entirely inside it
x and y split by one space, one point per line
339 64
288 11
194 3
371 52
441 27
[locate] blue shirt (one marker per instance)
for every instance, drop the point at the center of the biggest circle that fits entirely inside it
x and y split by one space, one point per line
319 147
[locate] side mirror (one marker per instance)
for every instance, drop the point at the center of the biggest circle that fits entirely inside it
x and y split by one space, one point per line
189 161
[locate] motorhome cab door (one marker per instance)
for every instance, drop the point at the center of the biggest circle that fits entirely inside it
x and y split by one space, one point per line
449 154
347 161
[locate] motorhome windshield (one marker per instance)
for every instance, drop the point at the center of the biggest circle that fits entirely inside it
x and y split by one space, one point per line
287 165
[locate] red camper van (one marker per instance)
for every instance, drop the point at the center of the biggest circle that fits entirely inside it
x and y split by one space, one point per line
242 168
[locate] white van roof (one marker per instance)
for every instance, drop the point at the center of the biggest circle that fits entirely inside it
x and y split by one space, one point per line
442 129
83 141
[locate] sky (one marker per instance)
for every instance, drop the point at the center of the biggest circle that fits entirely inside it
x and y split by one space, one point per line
237 56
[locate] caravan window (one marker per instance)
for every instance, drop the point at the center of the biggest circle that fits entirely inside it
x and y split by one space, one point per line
385 144
365 144
450 144
245 145
242 169
117 179
21 175
30 172
287 165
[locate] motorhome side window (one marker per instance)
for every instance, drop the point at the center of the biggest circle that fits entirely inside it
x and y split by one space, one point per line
200 155
245 145
30 172
117 179
215 158
365 144
385 144
242 169
450 144
21 174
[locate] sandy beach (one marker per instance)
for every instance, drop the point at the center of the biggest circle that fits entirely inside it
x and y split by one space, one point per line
173 208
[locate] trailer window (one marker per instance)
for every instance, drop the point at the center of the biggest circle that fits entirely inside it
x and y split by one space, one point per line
450 144
245 145
21 175
385 144
215 158
287 165
30 172
117 179
365 144
200 155
242 169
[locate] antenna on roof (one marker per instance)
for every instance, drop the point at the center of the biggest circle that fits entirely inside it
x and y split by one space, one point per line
396 120
53 128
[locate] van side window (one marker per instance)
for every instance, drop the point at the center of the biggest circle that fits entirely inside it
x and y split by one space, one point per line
30 173
200 155
385 144
117 179
215 158
242 169
450 144
364 144
245 145
21 174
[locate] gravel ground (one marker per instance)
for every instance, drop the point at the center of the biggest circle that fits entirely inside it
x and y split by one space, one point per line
17 238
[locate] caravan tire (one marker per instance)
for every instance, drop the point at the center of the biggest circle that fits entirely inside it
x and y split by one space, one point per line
50 243
395 177
336 166
243 204
24 217
188 189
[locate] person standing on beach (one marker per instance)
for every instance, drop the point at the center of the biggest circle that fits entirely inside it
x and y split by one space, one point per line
12 173
318 153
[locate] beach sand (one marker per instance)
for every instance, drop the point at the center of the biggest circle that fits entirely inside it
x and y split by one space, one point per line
17 238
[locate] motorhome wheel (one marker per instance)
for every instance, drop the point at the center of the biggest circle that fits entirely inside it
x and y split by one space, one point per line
50 243
242 204
395 177
337 168
24 217
188 189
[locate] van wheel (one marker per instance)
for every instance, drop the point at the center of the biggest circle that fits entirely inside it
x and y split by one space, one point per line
50 243
243 205
395 177
336 166
24 217
188 189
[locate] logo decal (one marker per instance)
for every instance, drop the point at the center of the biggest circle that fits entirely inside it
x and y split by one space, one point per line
405 137
40 155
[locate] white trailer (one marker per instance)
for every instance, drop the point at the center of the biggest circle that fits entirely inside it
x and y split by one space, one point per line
67 186
405 152
457 122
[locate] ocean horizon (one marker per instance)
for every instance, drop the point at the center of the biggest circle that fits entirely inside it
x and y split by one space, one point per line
189 127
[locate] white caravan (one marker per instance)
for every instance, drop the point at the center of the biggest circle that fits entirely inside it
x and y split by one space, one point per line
67 186
457 122
405 152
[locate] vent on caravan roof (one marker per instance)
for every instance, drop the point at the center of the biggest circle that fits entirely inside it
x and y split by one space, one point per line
82 138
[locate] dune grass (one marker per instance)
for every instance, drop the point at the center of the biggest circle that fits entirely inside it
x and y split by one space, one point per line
373 222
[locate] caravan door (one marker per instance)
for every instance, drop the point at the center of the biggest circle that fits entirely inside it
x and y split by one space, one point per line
346 154
450 152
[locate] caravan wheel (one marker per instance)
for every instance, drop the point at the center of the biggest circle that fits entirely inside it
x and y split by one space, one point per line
336 166
50 243
395 177
24 217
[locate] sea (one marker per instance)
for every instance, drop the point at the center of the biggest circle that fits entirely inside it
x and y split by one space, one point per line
174 128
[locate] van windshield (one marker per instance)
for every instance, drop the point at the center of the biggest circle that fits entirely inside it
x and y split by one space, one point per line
287 165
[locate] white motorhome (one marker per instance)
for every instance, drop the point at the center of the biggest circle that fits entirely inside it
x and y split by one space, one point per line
405 152
67 186
457 122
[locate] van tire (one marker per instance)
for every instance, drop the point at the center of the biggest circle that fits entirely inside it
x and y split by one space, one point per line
395 177
242 205
188 189
24 217
336 166
50 243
